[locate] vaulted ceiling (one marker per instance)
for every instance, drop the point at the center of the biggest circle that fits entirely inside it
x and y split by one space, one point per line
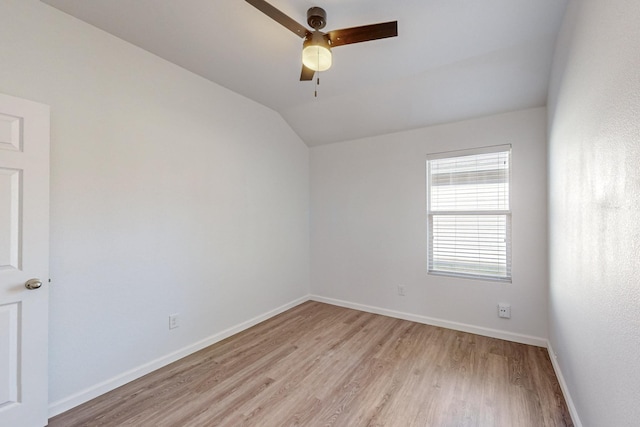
452 60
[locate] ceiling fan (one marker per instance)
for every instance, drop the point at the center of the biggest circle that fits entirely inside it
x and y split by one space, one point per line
316 48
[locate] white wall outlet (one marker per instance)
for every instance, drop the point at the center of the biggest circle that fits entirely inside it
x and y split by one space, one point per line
173 321
401 290
504 310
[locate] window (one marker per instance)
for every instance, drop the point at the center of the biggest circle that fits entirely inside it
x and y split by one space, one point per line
468 213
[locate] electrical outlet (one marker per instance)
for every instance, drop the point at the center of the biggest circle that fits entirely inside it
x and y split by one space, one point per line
504 311
173 321
401 290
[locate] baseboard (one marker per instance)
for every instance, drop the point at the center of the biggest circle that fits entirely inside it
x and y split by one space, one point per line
92 392
563 386
478 330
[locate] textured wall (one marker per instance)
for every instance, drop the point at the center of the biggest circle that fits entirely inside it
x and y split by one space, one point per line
594 209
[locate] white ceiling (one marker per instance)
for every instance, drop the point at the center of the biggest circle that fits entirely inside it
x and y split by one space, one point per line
452 59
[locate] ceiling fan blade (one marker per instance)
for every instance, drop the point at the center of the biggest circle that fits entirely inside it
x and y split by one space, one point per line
363 34
306 74
279 17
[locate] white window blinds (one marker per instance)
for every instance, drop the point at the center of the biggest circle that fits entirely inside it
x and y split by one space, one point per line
469 216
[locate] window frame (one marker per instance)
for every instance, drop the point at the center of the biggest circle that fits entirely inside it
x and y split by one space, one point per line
507 213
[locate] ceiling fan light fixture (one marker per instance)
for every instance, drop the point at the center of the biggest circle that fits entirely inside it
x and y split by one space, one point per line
316 52
316 48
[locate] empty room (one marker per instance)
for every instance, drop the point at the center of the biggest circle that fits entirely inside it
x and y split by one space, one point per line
333 213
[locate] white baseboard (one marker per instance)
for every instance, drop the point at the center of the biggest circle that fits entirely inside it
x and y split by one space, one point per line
92 392
563 386
478 330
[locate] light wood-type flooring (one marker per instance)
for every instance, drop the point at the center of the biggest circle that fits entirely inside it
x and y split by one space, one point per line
321 365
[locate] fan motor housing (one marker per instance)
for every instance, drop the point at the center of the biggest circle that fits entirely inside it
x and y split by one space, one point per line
316 18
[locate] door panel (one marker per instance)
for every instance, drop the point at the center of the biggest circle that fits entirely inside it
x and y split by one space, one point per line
10 132
8 354
24 254
9 219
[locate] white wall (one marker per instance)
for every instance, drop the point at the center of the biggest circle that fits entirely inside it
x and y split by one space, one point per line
169 194
368 226
594 210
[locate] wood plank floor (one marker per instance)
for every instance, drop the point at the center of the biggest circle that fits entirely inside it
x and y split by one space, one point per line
321 365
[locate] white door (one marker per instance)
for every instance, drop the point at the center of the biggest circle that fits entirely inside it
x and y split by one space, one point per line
24 255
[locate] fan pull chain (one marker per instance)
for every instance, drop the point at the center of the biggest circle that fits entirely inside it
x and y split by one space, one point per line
315 92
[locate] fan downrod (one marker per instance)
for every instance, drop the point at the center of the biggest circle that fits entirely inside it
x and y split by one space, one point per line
316 18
